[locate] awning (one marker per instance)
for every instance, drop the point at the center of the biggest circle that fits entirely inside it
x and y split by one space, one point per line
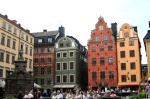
2 84
129 84
63 86
68 86
38 86
57 86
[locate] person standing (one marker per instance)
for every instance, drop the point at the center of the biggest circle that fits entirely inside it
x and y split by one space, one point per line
148 88
59 95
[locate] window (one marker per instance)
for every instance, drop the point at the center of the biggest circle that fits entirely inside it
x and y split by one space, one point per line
42 50
8 41
71 78
30 40
105 37
110 48
42 70
26 38
71 54
1 72
4 25
42 60
123 66
22 35
49 49
110 60
64 54
94 75
132 65
132 54
97 38
2 56
35 60
126 35
133 78
26 49
122 54
101 27
71 64
102 75
58 55
7 57
131 43
42 81
9 28
49 40
40 40
64 78
21 46
15 31
93 49
61 44
30 63
48 81
58 66
49 59
58 79
31 51
13 58
123 78
121 44
68 44
64 66
93 61
111 75
35 70
48 70
35 50
14 44
3 39
102 61
101 48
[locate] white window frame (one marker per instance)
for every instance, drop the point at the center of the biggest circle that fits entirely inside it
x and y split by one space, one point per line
62 78
73 65
63 66
97 38
74 78
9 28
60 66
110 59
15 31
56 79
66 53
101 27
104 37
59 53
50 40
69 53
22 35
40 40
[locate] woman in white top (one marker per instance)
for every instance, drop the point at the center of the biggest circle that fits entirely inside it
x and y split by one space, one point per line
70 95
78 95
54 95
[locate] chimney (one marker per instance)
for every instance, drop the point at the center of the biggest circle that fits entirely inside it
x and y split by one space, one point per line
135 29
44 30
14 21
62 31
114 29
5 16
19 24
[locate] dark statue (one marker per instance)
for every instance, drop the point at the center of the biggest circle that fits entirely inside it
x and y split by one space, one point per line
19 79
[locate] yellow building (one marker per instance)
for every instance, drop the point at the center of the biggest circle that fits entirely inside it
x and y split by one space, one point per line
12 39
129 57
147 49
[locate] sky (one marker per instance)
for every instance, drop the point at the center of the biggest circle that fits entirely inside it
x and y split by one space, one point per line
78 16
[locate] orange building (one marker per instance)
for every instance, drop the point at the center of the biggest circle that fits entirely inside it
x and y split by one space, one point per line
102 66
129 57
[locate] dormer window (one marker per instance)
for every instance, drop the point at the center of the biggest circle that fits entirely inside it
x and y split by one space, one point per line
126 34
101 27
49 40
39 40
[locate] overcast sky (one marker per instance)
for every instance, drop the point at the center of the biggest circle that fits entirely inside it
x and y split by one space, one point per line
78 16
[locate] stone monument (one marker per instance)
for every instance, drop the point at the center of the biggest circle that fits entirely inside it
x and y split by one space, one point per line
19 79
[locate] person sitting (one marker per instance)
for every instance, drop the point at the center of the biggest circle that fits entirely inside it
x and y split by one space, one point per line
113 94
107 94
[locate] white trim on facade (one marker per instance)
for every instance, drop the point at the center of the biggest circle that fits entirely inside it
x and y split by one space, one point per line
62 78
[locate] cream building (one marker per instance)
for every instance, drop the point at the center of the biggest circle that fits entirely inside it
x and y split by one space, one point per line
129 57
13 38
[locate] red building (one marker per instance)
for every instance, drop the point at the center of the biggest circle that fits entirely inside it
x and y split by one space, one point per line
102 57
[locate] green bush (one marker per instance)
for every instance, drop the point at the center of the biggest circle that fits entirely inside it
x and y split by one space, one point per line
9 98
142 95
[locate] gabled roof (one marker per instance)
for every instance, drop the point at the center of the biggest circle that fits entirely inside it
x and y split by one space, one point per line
48 33
147 36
